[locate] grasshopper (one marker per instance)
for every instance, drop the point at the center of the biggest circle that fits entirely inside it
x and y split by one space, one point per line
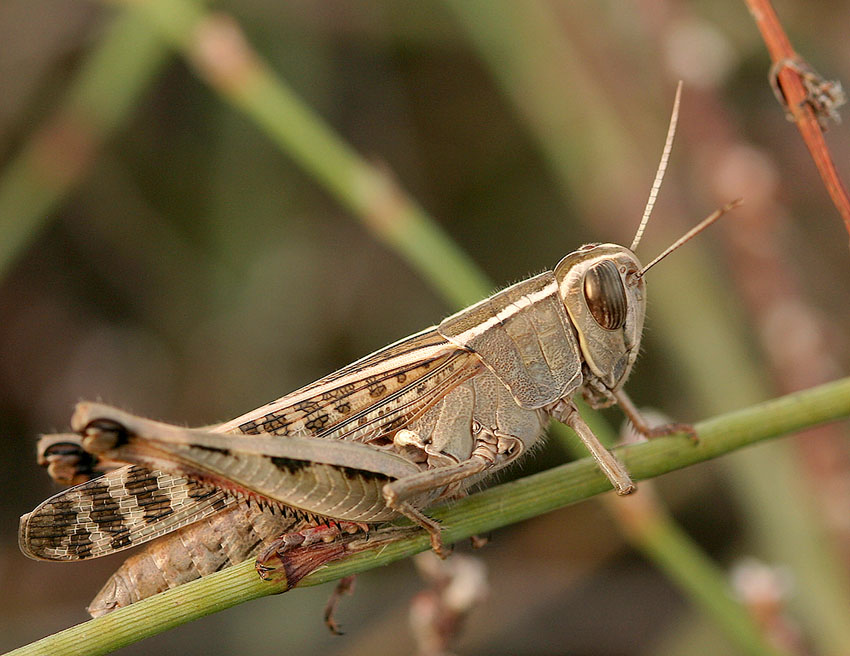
414 423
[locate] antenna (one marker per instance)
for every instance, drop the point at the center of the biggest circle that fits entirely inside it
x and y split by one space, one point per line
693 232
662 166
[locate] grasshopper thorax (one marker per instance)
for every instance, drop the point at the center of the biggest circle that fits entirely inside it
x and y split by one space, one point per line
604 295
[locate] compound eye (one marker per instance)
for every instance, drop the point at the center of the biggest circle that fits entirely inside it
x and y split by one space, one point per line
605 295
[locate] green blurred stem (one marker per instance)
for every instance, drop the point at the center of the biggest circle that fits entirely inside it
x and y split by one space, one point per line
102 95
214 44
675 553
483 512
555 93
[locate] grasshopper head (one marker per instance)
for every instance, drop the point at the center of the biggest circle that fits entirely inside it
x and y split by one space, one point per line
605 298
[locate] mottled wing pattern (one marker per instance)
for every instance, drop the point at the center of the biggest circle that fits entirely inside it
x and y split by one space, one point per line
123 508
132 505
370 399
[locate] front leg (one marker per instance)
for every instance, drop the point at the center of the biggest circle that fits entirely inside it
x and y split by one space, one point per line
565 412
642 426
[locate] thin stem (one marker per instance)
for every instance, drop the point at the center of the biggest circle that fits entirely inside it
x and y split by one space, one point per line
797 102
216 47
479 513
103 94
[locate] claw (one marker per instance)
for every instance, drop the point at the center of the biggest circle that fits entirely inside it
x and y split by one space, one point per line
437 544
672 429
345 586
479 541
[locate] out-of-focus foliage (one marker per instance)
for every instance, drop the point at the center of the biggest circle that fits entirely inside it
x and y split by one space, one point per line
195 273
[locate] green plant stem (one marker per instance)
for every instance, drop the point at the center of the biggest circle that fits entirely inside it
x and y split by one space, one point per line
663 540
479 513
216 48
102 95
544 76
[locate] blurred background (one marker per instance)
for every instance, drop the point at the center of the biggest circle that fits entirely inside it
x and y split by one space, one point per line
163 253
